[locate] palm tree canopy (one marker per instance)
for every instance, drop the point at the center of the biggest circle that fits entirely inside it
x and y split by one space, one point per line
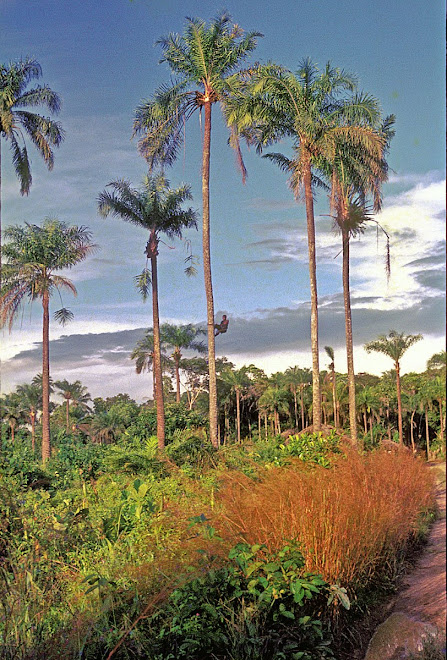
204 59
75 392
394 345
182 337
437 361
155 206
143 353
33 254
16 119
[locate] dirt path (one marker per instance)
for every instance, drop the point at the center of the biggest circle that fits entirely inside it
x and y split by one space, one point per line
419 608
423 596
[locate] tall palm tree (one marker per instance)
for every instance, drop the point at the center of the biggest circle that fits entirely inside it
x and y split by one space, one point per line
12 411
357 173
31 397
18 121
312 109
205 59
34 254
181 337
157 208
394 346
74 392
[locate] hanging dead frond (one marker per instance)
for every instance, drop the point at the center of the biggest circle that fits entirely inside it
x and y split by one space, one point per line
143 283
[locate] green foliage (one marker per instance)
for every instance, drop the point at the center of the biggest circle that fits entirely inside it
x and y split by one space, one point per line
259 605
313 447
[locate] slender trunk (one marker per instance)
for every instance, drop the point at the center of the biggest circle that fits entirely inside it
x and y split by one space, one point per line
388 422
296 408
441 420
207 274
412 432
349 340
324 415
227 424
303 421
33 430
365 423
158 373
427 433
316 392
334 398
46 444
238 416
399 404
177 376
266 426
279 422
67 414
12 426
259 423
371 428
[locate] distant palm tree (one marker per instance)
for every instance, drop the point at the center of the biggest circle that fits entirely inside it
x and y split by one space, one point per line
205 58
311 108
181 337
34 254
143 354
31 397
12 411
238 380
157 208
330 352
75 392
394 346
17 120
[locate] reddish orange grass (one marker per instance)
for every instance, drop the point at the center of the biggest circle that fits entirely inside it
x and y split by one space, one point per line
349 519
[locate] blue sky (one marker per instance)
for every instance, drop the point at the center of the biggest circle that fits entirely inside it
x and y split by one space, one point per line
100 56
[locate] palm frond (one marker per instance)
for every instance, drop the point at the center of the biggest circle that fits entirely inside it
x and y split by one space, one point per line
63 316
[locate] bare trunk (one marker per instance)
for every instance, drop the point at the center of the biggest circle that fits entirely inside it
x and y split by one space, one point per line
259 423
427 433
67 414
441 420
303 421
399 404
412 431
207 275
33 431
46 444
365 426
158 373
238 416
266 426
349 340
371 428
334 399
296 408
177 377
316 393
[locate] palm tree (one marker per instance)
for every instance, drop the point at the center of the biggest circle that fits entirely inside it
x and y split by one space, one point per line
394 346
143 354
357 172
157 208
75 392
205 59
16 120
330 353
31 397
11 410
34 254
237 380
181 337
311 108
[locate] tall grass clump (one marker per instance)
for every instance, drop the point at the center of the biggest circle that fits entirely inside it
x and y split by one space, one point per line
352 520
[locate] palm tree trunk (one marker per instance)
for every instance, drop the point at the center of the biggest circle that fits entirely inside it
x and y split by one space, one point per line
46 444
427 433
67 414
316 393
412 431
371 428
259 424
441 420
158 374
266 426
177 377
33 431
296 408
238 416
334 399
303 421
365 425
207 274
349 340
399 404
